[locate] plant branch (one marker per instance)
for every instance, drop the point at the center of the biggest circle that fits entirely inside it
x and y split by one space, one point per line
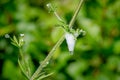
57 16
76 13
46 60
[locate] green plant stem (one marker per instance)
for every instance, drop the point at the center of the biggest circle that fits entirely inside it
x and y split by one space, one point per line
46 60
57 16
76 13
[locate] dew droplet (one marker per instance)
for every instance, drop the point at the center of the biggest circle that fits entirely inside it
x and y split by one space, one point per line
48 5
47 62
7 36
22 35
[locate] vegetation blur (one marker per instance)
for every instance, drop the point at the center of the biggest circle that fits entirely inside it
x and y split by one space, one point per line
96 55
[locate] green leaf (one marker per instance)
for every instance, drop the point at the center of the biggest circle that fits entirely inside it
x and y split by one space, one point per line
14 44
22 69
26 66
44 76
15 40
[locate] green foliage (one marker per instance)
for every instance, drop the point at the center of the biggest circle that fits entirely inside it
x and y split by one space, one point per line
96 56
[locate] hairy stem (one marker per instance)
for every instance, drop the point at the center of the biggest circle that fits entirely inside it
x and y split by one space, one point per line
57 16
46 60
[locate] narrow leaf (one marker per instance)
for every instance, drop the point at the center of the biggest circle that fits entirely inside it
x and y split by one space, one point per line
44 76
15 40
22 68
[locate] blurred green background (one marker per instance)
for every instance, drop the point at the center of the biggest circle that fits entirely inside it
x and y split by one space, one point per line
96 56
